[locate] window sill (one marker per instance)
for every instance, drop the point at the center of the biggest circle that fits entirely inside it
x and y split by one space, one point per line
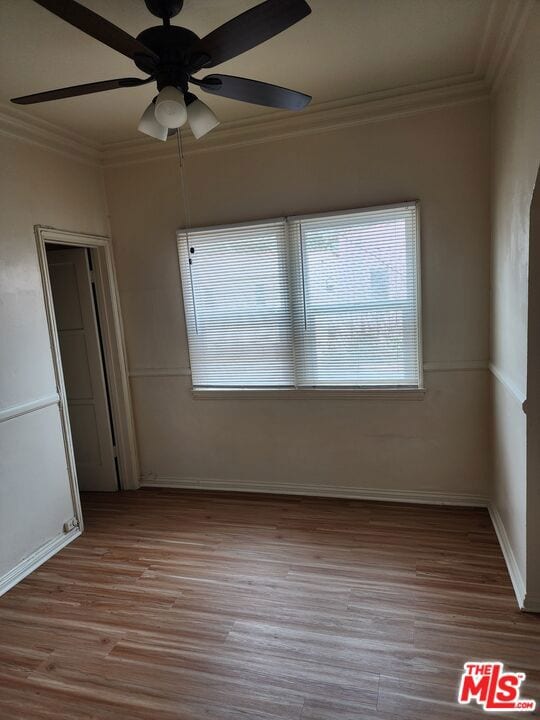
380 393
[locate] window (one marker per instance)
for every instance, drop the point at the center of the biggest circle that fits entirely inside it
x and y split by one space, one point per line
326 301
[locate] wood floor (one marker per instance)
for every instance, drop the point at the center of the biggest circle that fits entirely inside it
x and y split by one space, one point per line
191 605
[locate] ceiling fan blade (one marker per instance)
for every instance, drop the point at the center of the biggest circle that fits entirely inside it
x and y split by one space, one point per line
253 91
93 24
248 30
75 90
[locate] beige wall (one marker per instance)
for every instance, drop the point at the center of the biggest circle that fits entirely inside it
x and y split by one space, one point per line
36 187
516 156
440 444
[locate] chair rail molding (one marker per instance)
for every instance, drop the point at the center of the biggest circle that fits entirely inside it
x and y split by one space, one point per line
30 406
509 384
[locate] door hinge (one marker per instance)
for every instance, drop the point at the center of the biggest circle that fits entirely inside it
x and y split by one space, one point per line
92 276
71 524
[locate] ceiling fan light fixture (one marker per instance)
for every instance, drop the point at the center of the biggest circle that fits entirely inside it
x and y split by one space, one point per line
170 108
201 118
150 126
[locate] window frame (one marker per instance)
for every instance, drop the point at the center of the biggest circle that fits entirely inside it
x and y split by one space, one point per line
372 392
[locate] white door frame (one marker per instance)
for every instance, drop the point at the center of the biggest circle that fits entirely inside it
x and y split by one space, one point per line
113 346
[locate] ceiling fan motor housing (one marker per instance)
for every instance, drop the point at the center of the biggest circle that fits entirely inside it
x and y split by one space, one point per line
172 44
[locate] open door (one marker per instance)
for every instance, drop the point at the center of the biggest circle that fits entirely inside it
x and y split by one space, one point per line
83 367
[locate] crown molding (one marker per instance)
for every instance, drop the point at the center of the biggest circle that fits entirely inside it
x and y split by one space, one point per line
23 126
489 38
323 117
513 20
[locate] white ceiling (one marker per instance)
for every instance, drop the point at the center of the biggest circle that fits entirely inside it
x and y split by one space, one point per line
345 48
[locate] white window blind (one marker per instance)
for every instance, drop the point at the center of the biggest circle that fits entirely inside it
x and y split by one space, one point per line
321 301
355 298
236 301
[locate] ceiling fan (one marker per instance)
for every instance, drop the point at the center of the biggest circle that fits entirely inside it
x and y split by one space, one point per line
171 55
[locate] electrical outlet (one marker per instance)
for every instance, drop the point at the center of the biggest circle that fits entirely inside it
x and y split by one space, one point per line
71 524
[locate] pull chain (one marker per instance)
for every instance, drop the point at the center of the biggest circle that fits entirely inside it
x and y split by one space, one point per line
187 222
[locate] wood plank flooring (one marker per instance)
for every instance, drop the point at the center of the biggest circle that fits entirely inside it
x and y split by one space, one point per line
194 605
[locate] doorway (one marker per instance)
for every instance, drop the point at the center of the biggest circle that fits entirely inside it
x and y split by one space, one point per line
84 368
85 329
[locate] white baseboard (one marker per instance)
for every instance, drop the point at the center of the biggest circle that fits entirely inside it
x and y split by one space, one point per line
428 497
37 558
385 495
511 562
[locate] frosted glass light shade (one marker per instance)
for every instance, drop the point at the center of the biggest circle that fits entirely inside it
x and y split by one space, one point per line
150 126
170 110
201 119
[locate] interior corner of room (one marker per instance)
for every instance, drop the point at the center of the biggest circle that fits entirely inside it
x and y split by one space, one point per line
175 318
